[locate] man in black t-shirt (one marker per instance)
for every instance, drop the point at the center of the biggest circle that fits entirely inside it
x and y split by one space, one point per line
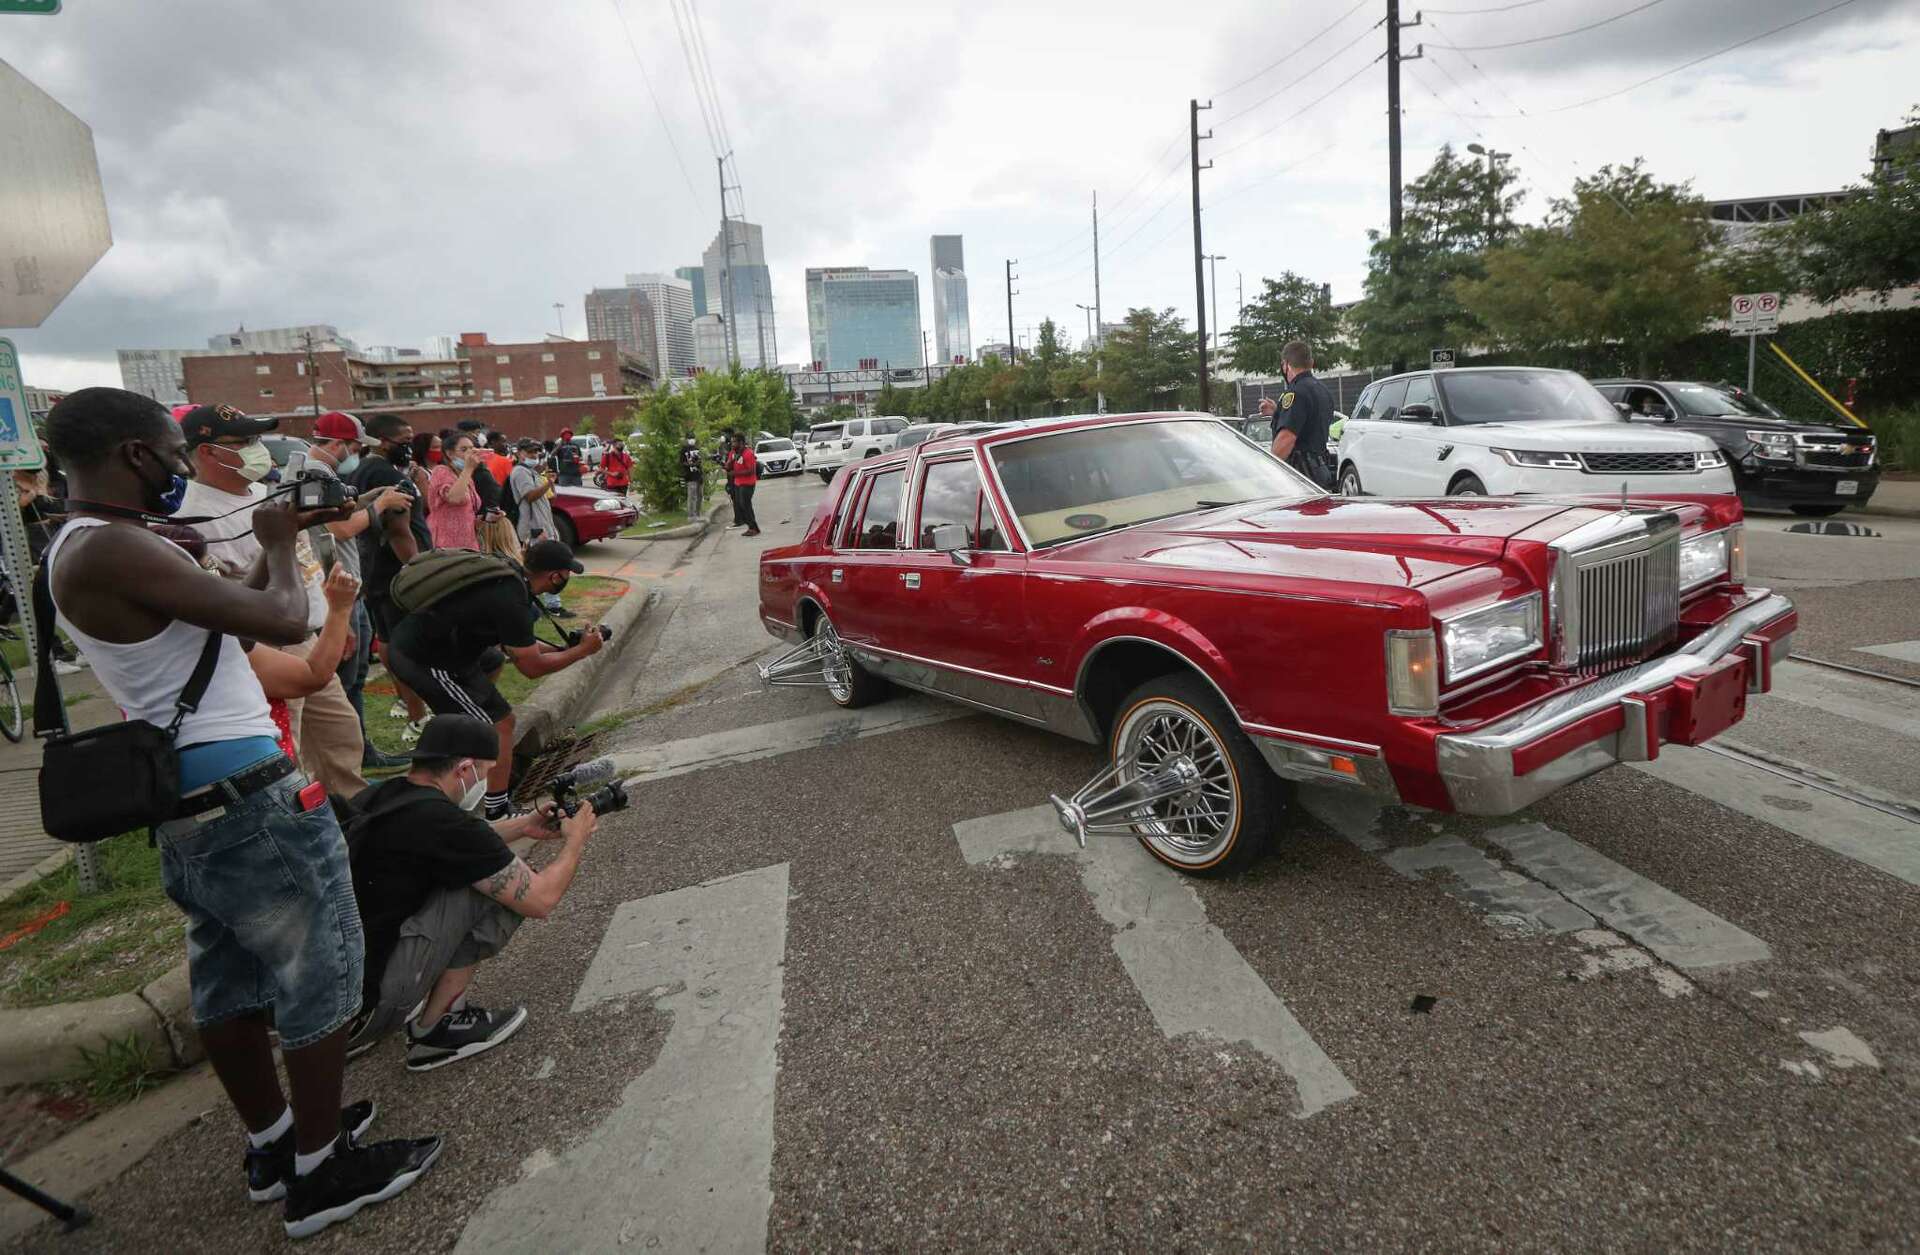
1300 429
448 652
439 891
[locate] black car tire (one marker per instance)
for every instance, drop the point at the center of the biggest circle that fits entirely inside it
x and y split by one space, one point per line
1350 481
1819 511
1467 486
1259 796
564 531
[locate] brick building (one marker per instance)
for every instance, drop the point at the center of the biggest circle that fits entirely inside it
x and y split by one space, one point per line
257 382
552 368
541 418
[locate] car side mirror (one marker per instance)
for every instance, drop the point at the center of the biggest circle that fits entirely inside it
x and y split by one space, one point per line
951 538
1417 413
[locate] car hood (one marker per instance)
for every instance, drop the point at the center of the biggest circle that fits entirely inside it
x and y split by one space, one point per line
1577 435
1396 543
1742 422
583 492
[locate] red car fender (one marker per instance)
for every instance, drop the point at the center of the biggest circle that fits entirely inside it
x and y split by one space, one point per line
1156 627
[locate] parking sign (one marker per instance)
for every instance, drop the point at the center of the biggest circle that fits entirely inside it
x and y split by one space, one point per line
1754 313
19 447
1440 359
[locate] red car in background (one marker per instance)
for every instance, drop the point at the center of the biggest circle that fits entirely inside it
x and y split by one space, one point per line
1158 584
583 515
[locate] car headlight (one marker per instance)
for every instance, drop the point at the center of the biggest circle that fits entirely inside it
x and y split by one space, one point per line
1480 640
1413 681
1772 444
610 505
1545 459
1709 460
1704 558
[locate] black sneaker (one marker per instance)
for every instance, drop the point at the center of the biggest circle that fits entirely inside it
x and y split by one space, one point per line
352 1177
373 758
271 1167
460 1035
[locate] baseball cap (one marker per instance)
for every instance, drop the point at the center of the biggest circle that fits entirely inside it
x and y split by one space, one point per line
457 736
338 425
203 423
552 555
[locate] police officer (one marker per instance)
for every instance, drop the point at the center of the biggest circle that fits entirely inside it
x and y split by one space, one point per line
1302 418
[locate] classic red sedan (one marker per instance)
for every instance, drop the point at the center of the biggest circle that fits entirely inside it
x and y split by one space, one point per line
582 515
1158 584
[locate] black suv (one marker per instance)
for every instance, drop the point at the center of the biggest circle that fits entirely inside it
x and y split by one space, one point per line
1816 468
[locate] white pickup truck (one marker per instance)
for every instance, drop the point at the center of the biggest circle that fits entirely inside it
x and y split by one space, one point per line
858 438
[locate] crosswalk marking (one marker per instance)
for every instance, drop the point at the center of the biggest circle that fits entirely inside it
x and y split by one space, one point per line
684 1162
1191 977
1881 841
783 736
1874 702
1902 651
1504 895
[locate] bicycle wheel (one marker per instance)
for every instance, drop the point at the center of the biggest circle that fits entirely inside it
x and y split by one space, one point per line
12 716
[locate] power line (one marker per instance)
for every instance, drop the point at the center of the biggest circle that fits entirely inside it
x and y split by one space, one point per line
1686 65
693 76
1298 79
1498 8
1296 50
713 84
1315 101
1544 39
654 97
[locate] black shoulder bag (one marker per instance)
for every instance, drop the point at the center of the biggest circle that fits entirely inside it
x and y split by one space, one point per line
134 761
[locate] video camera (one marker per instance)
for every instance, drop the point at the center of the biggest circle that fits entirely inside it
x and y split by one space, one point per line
605 801
576 635
311 491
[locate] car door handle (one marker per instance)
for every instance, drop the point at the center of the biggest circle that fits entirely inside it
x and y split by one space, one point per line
837 573
910 578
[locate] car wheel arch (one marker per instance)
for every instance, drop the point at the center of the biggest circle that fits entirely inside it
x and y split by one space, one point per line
1120 663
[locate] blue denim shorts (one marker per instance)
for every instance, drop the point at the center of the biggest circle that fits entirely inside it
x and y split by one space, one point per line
271 919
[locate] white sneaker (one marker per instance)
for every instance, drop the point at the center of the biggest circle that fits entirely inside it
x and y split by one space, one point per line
412 731
397 711
66 668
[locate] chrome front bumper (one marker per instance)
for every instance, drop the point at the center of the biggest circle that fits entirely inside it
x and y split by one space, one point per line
1480 769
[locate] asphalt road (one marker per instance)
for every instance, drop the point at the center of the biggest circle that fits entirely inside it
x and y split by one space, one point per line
829 985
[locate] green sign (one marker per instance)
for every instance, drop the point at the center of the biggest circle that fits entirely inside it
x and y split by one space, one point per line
29 6
19 446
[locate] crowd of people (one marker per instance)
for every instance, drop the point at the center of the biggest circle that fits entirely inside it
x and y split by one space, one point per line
321 908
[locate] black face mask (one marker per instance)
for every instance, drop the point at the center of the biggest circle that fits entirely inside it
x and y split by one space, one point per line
401 455
161 496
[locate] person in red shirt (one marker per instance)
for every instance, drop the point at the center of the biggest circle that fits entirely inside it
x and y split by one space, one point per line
743 472
617 466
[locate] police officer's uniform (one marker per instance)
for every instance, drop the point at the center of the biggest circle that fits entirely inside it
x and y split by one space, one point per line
1306 410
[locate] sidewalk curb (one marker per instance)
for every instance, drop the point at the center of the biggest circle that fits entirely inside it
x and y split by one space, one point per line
557 703
685 530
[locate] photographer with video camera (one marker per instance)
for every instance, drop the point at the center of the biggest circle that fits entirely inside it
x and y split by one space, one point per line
464 611
401 534
440 892
243 828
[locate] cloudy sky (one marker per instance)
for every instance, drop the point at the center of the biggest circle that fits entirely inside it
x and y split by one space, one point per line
436 166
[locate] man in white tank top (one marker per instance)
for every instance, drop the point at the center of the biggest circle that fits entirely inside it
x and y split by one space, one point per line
255 857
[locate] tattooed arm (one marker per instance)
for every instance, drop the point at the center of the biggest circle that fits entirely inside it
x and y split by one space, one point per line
534 894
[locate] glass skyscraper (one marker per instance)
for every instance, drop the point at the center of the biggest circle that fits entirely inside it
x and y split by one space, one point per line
857 316
952 329
749 307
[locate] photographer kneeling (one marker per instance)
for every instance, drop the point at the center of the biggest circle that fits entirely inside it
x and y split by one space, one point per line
439 891
464 610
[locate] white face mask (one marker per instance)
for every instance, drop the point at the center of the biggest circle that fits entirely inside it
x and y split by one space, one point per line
255 461
474 793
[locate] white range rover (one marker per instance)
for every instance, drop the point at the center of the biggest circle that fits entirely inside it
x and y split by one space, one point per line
1506 430
858 439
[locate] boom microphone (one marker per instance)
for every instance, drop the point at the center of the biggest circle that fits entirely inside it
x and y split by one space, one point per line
588 774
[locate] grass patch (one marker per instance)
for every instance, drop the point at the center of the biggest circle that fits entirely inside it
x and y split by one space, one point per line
120 1071
1898 433
112 942
658 521
588 596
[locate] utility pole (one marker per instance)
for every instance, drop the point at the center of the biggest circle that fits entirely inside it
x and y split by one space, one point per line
1199 250
1013 354
728 312
1240 288
560 316
1394 58
1099 329
313 378
1213 277
926 372
1088 311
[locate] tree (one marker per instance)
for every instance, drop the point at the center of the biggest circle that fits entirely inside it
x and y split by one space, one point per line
1149 362
1288 308
1625 260
1450 216
1869 242
736 400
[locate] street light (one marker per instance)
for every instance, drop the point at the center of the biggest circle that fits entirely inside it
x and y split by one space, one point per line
1088 311
1214 270
1493 191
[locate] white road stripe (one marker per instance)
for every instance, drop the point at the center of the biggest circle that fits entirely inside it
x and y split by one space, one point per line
1904 651
1192 978
1892 707
1687 936
684 1162
1879 840
784 736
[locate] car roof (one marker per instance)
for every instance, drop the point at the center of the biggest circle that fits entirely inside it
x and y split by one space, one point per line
1469 370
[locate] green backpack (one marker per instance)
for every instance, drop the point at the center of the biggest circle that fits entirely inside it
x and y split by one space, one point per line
429 577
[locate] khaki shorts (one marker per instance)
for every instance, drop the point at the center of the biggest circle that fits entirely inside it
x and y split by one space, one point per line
455 928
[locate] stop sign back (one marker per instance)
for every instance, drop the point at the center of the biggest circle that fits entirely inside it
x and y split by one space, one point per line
53 213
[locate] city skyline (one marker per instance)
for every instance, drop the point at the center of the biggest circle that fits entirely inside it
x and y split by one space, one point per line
952 322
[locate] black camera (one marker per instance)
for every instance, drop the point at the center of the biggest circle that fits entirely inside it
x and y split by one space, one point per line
605 800
319 492
575 635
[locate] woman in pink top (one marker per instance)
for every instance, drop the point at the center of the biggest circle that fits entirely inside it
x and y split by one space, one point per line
450 497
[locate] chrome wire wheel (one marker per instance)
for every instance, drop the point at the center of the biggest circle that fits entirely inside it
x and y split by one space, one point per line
836 669
1193 827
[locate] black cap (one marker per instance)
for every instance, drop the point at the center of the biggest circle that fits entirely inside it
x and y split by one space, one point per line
457 736
204 423
529 443
552 555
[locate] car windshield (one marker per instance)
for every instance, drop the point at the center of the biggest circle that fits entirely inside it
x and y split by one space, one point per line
1521 396
776 446
1096 479
1707 401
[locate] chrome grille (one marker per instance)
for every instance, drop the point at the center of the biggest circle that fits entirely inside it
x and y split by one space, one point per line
1617 592
1637 463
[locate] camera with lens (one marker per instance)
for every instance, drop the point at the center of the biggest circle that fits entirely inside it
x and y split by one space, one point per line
576 635
605 800
319 492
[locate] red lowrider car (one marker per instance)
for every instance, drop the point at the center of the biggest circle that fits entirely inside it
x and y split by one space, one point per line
1157 584
582 515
